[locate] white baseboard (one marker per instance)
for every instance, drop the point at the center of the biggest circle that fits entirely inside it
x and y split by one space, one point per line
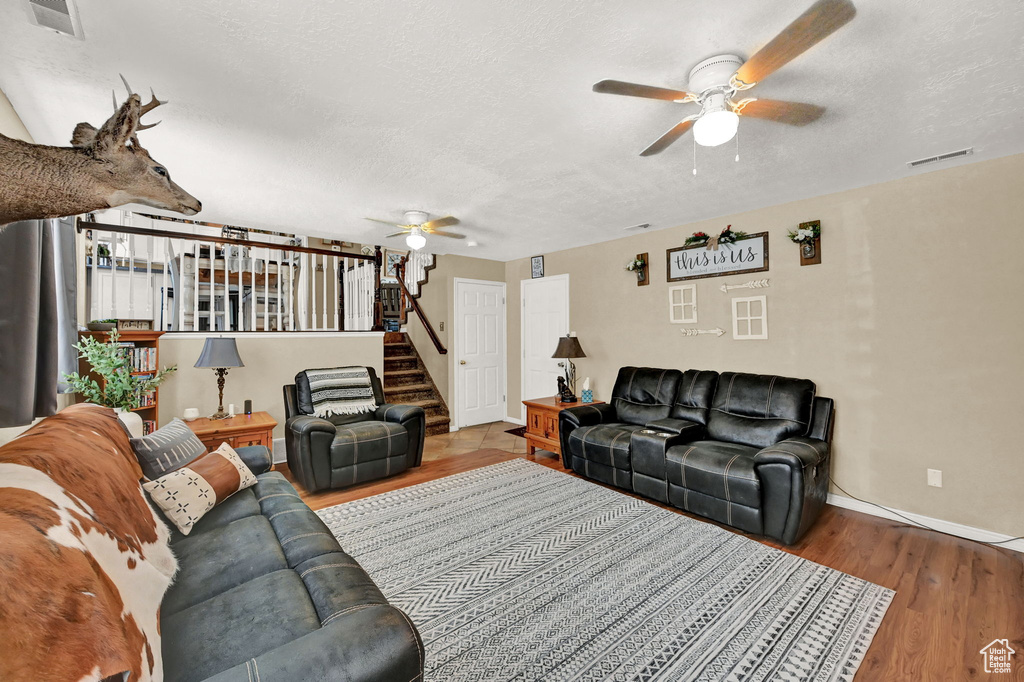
513 420
919 519
452 428
278 452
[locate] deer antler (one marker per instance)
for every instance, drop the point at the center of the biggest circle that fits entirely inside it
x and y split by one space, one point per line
153 104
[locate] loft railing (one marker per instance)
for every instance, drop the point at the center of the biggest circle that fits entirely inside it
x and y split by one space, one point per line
186 282
416 264
413 302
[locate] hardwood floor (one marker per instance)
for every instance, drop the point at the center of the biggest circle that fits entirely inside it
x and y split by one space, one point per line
953 596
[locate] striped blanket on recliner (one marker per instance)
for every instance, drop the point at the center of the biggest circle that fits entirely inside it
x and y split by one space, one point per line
340 390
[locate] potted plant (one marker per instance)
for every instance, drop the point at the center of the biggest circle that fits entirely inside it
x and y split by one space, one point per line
118 388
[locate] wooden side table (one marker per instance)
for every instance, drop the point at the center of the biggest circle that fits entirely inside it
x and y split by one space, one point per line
542 423
239 431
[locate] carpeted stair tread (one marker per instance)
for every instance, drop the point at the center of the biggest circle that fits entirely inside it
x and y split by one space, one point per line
407 388
404 372
425 404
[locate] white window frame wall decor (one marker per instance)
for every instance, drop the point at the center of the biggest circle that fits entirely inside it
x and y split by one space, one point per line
683 311
737 317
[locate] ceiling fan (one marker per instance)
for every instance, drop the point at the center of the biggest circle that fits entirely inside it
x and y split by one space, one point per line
419 225
715 82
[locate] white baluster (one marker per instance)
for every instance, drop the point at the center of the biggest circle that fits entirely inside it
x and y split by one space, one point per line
113 273
131 276
312 291
323 266
337 283
266 290
195 291
280 299
252 290
164 310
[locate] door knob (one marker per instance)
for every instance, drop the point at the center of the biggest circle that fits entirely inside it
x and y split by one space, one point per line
462 362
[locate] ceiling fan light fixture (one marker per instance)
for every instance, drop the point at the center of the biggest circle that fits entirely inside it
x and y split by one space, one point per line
416 240
717 123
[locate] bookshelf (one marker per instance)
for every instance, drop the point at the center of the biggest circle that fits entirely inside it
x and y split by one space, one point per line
144 350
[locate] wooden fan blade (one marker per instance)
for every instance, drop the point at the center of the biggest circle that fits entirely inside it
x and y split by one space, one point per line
677 131
791 113
386 222
610 87
821 20
396 234
440 222
453 235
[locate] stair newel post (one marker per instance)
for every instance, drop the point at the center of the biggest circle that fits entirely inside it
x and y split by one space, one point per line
378 303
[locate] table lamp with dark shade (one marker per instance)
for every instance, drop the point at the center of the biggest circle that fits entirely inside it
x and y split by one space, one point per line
219 354
569 347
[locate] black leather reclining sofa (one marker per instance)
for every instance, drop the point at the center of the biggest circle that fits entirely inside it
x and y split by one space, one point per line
747 450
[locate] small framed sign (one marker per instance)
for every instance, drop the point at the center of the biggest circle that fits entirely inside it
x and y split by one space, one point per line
748 254
135 325
537 267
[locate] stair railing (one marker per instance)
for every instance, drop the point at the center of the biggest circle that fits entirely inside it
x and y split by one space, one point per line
411 301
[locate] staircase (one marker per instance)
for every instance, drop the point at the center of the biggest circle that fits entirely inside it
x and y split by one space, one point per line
407 382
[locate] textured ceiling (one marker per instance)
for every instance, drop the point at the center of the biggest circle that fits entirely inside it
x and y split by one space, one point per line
305 117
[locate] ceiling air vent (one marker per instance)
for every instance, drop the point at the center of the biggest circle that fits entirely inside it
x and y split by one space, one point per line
56 15
941 157
641 226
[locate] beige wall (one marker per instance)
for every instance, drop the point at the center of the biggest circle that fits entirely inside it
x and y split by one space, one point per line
10 123
438 302
271 361
913 323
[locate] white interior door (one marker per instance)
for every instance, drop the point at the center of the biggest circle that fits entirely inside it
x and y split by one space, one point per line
545 318
479 351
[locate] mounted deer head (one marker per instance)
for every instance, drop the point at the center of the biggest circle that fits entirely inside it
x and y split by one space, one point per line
105 168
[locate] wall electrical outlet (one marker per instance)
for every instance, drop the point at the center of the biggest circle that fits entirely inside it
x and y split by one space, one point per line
935 478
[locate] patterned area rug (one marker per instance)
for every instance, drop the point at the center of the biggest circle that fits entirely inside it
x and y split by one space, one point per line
516 571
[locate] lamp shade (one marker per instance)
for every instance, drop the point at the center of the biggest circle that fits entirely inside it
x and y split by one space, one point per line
569 347
219 352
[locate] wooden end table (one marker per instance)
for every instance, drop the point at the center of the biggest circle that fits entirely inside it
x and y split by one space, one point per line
239 431
542 423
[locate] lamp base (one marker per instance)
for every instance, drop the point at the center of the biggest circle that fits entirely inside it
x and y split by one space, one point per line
219 414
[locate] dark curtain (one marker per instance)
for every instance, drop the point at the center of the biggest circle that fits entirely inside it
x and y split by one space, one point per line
35 301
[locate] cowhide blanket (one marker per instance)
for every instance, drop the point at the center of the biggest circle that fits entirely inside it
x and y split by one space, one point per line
84 562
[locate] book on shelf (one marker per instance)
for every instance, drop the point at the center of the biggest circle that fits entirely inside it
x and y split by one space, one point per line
148 426
140 359
147 399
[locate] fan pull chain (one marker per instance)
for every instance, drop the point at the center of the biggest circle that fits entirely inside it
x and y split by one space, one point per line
737 145
694 156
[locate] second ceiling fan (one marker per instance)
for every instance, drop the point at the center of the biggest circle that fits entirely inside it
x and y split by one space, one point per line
418 224
715 82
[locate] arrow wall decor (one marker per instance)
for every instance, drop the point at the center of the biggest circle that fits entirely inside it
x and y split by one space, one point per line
752 284
697 332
